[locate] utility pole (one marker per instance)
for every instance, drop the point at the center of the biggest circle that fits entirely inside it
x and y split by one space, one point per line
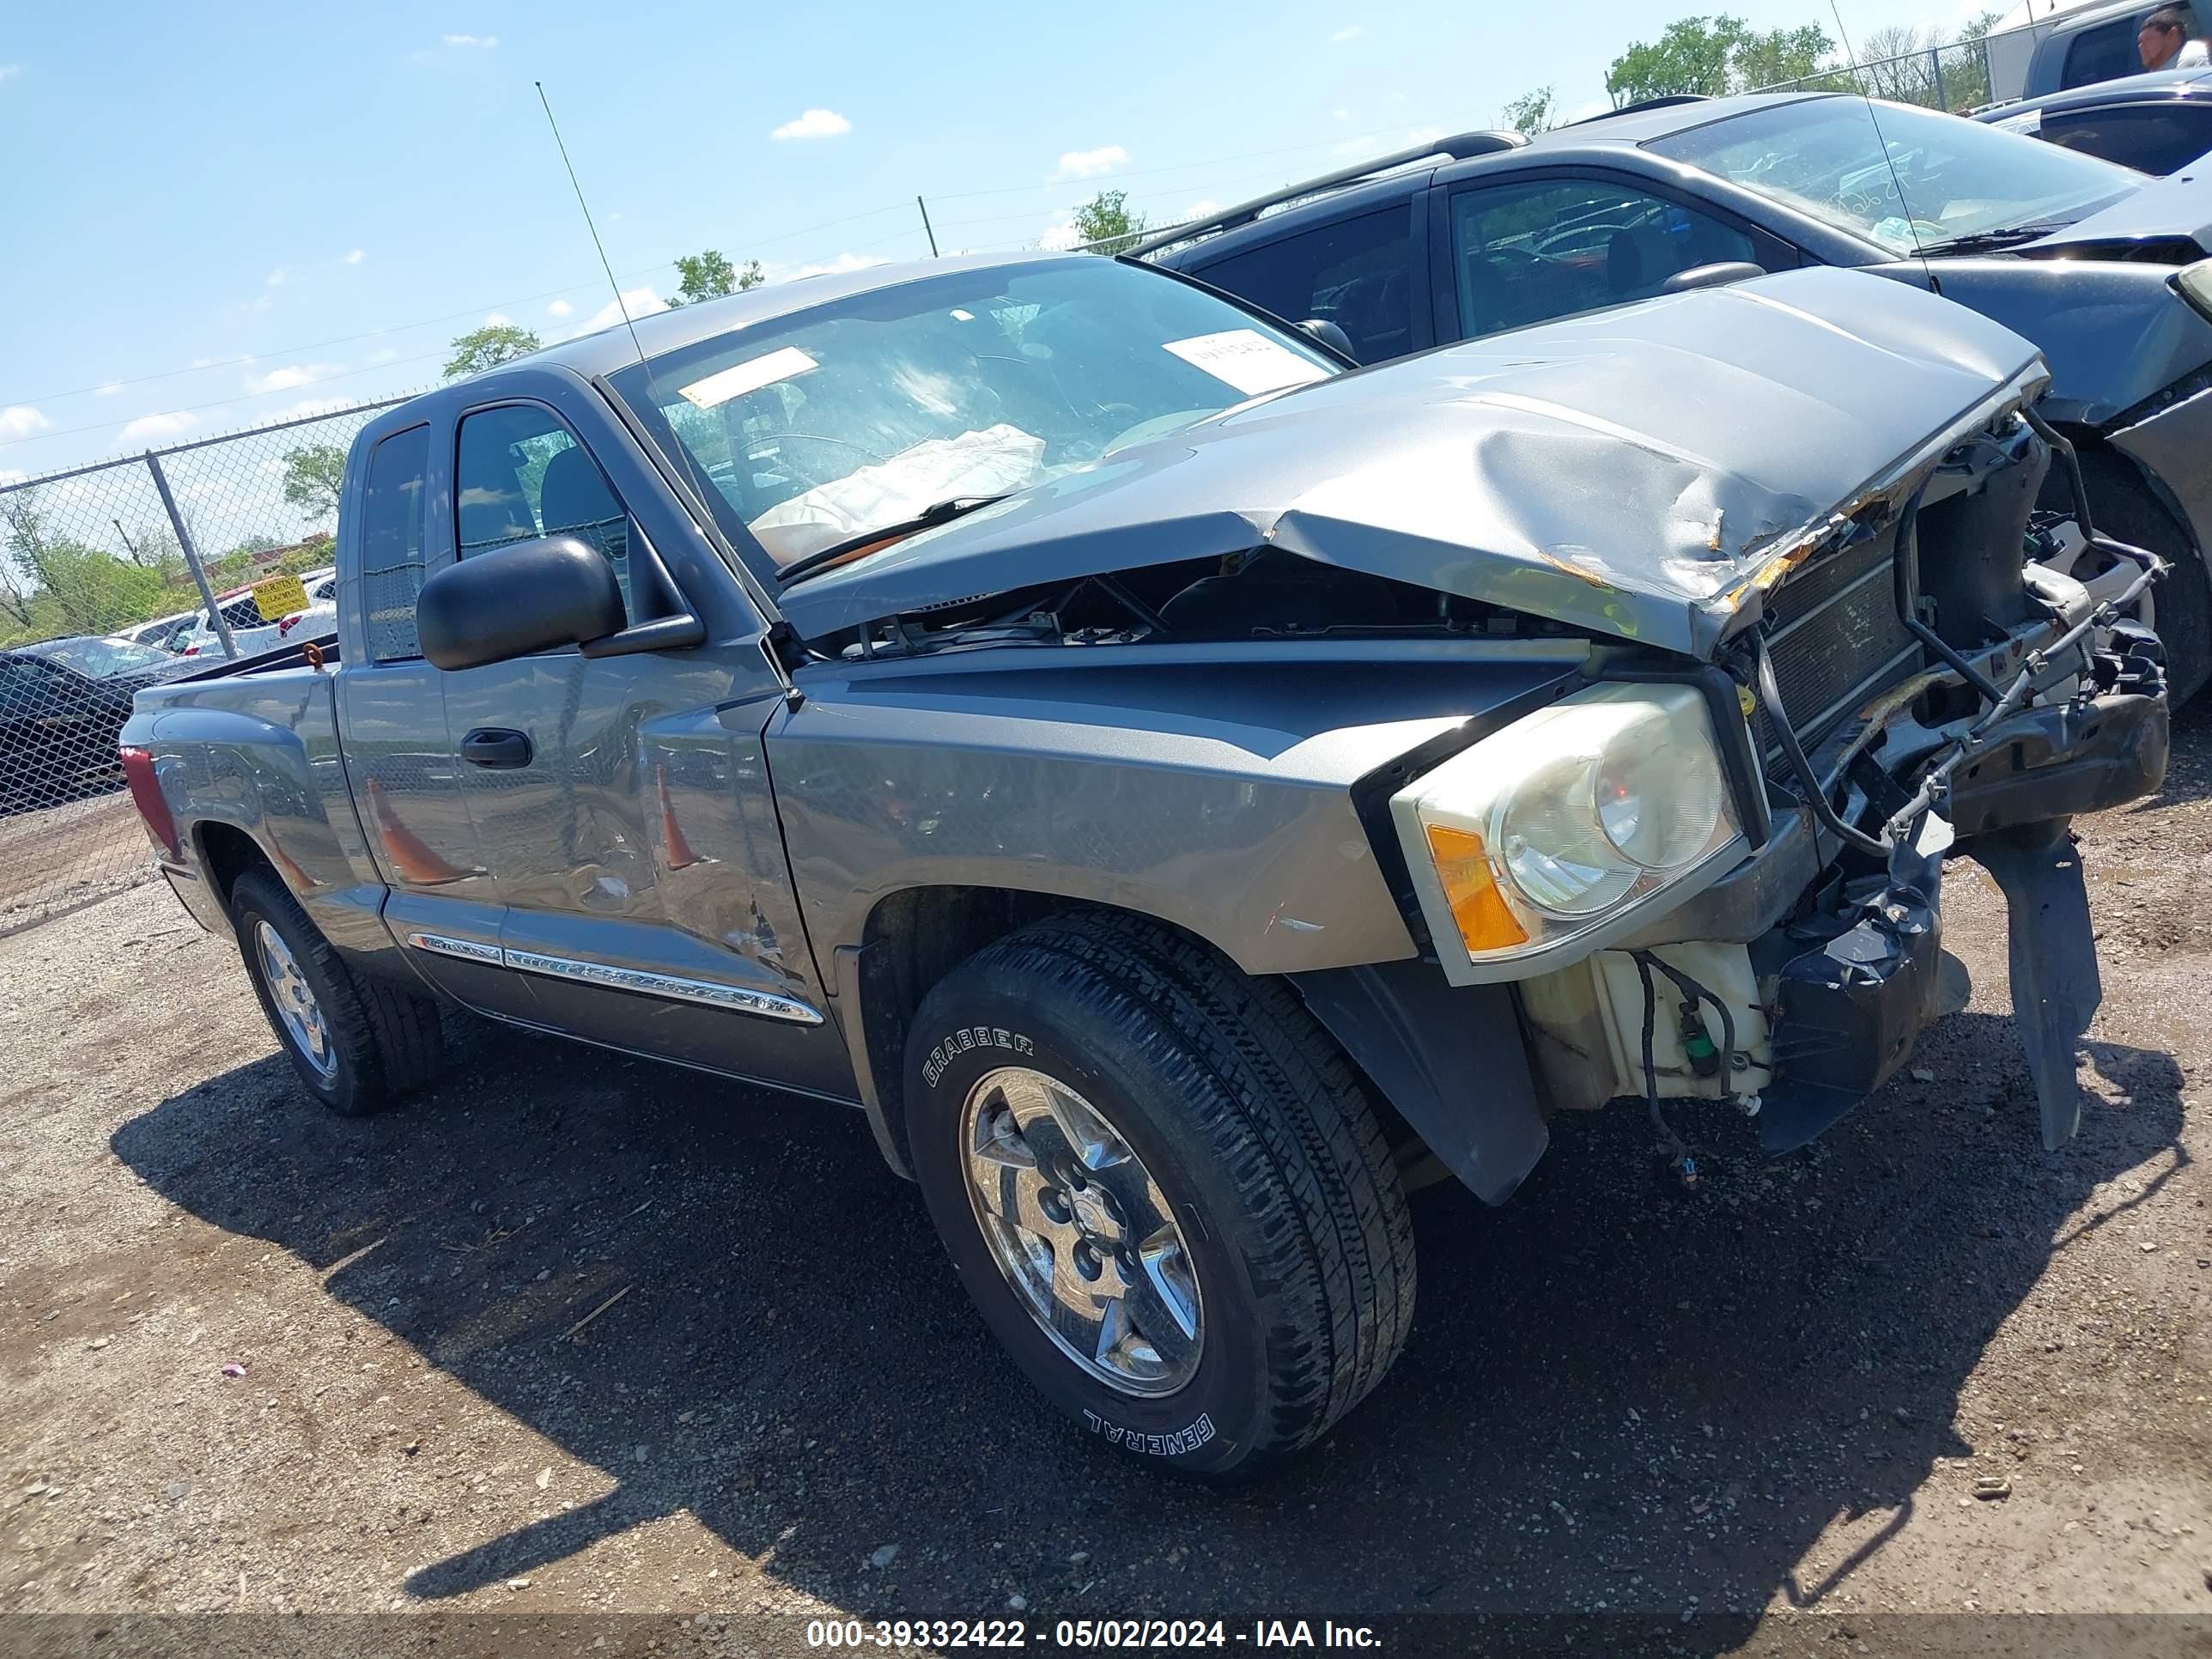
925 230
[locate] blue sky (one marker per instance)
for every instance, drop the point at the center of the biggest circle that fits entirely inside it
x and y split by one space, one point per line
224 214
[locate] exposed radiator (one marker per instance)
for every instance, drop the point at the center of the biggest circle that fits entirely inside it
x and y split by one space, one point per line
1836 638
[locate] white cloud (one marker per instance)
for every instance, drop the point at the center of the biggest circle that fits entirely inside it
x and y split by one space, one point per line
1423 136
637 302
485 41
814 123
291 377
148 428
1352 33
305 407
497 320
1204 206
20 421
107 391
355 257
1341 114
1090 163
559 308
9 70
382 355
1061 235
281 275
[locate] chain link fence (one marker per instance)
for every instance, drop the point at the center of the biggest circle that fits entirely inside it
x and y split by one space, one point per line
1956 77
124 574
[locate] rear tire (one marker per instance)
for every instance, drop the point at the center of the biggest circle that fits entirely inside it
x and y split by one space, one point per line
1247 1189
358 1043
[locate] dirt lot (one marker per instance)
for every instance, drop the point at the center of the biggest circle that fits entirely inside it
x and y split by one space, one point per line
1756 1415
58 857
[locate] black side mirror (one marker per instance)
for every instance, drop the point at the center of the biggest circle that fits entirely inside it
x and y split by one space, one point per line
515 600
1330 336
1713 276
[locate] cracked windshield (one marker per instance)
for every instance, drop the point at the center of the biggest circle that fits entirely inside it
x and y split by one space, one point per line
904 406
1917 181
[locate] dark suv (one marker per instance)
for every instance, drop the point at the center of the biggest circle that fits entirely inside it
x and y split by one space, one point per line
2105 269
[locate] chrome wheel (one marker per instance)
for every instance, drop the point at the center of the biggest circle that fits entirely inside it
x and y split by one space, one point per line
295 1004
1082 1231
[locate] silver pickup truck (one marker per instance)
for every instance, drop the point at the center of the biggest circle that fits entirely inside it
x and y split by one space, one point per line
1181 790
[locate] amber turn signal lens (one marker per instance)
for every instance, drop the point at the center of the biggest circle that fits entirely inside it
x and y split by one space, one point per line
1479 910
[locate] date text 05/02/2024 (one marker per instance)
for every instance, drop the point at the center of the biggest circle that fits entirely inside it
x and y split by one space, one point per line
1116 1634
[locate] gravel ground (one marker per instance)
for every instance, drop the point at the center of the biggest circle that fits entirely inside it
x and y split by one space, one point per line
1760 1412
59 857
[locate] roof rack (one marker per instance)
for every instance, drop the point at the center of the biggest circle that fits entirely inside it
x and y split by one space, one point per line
1665 101
1458 148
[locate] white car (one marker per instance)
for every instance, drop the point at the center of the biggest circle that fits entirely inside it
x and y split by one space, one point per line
252 635
162 633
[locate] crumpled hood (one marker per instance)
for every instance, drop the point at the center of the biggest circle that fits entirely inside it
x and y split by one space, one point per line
1621 470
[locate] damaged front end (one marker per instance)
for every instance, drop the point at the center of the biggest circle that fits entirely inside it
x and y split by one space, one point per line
1912 685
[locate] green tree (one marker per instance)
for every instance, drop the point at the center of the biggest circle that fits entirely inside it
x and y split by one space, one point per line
709 276
55 585
488 347
1966 67
1777 56
1532 112
313 474
1713 56
1689 56
1106 224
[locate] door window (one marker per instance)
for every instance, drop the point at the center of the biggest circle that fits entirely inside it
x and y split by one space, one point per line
2103 53
1356 273
2159 138
391 524
1526 254
521 473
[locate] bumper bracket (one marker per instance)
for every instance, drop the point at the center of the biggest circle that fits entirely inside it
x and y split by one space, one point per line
2056 986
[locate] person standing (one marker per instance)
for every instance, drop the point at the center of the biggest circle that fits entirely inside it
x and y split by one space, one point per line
2163 41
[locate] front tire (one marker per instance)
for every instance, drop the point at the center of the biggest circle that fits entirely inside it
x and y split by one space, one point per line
2182 613
357 1043
1162 1185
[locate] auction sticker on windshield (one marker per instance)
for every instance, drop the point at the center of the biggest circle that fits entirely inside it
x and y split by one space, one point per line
1248 360
748 376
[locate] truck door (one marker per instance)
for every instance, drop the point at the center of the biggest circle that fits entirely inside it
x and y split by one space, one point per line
621 804
399 756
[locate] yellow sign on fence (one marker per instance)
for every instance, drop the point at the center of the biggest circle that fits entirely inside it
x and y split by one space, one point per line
279 597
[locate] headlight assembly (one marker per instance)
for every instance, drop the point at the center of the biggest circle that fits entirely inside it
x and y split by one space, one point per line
1545 836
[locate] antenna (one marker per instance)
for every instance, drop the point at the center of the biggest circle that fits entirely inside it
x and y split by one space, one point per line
605 265
1850 55
1896 183
761 598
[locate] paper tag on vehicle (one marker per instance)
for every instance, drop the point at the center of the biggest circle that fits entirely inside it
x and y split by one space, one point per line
279 597
749 376
1248 360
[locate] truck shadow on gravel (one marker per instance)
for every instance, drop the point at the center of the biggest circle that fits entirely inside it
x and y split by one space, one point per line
1613 1396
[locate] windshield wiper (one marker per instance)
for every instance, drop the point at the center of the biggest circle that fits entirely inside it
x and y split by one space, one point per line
936 512
1992 241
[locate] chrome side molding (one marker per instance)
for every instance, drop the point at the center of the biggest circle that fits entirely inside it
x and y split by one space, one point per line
736 998
468 950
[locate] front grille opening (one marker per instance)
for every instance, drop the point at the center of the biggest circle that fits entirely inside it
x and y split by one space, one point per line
1835 638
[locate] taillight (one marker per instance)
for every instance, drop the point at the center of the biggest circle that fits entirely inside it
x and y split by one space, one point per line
146 795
